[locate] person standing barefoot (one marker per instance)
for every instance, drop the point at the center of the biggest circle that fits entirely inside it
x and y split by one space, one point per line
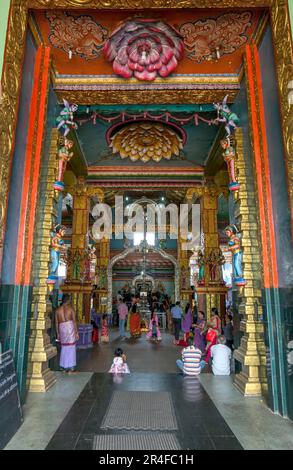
67 334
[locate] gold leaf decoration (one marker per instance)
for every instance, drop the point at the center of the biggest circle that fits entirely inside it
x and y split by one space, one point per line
146 141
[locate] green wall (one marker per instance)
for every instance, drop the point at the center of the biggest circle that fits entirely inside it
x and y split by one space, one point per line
4 11
291 14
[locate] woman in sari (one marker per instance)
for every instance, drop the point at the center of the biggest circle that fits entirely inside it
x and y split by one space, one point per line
134 321
214 330
187 321
198 328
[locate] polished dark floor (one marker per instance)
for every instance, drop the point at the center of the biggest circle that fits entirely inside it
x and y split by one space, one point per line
201 427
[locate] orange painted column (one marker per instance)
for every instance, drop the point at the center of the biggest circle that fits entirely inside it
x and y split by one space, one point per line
261 159
36 130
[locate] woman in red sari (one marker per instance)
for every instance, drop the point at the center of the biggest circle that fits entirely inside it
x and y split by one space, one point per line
214 330
134 321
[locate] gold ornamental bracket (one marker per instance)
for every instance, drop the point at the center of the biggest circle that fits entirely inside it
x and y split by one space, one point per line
151 4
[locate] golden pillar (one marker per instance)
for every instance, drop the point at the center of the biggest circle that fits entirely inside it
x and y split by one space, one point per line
212 292
183 257
78 282
251 353
103 258
215 291
40 378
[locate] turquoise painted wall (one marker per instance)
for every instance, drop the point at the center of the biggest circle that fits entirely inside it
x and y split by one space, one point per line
4 12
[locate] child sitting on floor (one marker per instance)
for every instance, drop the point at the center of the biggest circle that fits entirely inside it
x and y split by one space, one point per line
119 365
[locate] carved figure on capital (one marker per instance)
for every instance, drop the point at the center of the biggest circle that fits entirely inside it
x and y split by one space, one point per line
215 261
201 265
57 245
89 255
65 120
234 245
64 156
229 157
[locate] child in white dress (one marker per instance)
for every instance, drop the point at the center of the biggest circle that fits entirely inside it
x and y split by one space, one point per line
119 365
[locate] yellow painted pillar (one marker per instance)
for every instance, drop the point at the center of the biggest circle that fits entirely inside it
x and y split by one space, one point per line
76 283
103 258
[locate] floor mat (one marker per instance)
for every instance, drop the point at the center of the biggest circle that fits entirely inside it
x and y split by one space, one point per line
137 441
152 411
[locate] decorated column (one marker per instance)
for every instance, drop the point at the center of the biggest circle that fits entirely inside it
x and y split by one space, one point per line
183 261
210 287
78 281
103 257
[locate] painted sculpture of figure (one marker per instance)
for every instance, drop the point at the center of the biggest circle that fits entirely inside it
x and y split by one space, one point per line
65 118
87 263
235 248
64 155
217 259
225 115
212 263
200 262
229 157
57 245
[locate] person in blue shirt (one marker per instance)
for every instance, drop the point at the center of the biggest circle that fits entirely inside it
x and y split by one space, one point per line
177 316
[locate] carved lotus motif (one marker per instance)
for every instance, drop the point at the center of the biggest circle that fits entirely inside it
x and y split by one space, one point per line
144 49
146 141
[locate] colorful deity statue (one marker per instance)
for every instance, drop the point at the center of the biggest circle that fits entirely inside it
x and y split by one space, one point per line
229 157
215 262
235 248
89 255
65 118
201 263
225 115
57 245
64 155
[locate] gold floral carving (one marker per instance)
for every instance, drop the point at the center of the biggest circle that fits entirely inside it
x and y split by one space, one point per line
146 141
92 97
284 65
11 82
138 4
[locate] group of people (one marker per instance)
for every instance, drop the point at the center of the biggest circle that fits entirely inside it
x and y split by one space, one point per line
205 342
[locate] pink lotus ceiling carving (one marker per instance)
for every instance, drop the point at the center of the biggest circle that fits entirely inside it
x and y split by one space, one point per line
206 39
146 141
80 35
144 49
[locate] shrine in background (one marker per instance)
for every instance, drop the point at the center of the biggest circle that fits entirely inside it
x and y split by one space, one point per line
177 109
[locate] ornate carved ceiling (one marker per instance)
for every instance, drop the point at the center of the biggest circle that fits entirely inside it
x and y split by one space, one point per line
213 41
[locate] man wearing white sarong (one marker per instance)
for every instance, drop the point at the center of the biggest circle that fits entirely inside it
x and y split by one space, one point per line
67 334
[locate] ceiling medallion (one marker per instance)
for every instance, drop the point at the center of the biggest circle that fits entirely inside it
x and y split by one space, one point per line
144 49
146 141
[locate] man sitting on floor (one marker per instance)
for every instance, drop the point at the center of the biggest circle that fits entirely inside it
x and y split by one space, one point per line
191 363
221 357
